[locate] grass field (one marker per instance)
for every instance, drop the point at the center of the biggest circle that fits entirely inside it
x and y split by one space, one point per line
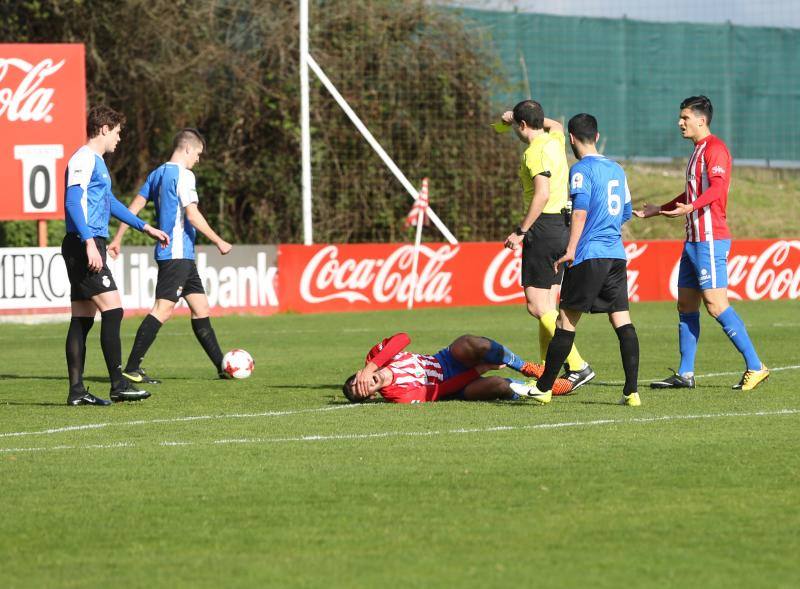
275 482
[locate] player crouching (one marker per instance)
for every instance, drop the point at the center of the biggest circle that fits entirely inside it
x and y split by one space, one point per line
452 373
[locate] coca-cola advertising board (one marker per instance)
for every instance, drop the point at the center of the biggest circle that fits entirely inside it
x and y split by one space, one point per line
379 276
42 122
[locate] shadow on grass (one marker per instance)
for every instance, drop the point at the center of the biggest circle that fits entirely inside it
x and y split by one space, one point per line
62 378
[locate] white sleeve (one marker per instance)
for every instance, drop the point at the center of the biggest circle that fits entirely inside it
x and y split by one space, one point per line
80 168
627 192
187 193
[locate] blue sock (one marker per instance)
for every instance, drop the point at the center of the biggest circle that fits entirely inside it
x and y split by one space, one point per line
688 334
499 354
734 328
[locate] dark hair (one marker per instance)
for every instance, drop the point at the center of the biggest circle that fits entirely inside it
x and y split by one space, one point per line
102 115
531 112
700 105
348 391
188 135
583 127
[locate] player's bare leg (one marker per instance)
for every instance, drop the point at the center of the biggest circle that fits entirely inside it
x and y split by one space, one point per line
203 331
471 350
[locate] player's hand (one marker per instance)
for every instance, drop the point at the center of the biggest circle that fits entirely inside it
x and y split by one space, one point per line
508 117
513 241
113 249
157 234
680 210
647 211
364 380
224 247
93 254
567 259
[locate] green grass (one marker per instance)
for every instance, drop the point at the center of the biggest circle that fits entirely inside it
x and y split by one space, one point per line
694 488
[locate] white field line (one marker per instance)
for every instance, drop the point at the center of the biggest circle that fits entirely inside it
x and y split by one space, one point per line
90 426
395 434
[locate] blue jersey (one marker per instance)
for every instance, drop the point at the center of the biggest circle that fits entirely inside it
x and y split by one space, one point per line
599 187
171 187
88 171
88 200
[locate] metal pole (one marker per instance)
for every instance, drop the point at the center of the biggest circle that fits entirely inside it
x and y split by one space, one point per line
308 237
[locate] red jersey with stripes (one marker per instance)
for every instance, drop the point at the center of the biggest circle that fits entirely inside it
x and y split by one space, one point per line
708 177
416 378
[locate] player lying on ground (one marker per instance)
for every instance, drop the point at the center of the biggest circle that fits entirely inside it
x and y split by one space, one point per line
452 373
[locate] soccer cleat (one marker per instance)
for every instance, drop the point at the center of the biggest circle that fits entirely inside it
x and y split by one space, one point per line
84 397
139 376
752 378
562 386
631 400
578 378
532 370
128 392
676 381
536 394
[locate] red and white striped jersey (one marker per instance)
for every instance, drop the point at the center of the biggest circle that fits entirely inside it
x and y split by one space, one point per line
409 370
710 164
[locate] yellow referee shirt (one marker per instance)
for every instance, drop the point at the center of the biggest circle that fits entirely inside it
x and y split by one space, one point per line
545 155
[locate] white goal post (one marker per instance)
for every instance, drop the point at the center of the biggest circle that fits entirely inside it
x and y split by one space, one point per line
307 62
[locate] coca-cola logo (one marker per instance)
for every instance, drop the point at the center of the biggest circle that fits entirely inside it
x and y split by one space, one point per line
768 275
29 101
379 280
501 282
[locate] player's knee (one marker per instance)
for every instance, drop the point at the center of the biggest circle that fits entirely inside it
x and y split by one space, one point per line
533 310
715 309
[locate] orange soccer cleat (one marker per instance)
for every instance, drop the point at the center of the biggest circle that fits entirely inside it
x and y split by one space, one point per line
532 370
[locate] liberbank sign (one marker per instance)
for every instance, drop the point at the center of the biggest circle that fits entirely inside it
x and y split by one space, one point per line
34 280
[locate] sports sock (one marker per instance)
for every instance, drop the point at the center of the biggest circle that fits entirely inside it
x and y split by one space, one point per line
518 387
208 339
688 336
145 336
112 347
79 328
556 354
734 328
629 351
499 354
547 327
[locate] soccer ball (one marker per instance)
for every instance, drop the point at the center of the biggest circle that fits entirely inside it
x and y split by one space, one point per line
238 364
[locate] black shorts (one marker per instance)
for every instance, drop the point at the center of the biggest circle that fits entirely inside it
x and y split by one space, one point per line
83 282
544 243
596 286
177 278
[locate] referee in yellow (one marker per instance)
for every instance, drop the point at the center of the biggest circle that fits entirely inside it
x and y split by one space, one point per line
544 232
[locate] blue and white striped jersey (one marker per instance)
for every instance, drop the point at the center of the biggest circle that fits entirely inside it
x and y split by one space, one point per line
171 188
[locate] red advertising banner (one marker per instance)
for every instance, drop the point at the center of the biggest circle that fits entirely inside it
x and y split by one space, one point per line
378 276
42 122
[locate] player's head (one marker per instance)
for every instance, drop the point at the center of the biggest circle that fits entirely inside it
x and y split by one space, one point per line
582 132
104 124
377 382
695 117
188 144
528 115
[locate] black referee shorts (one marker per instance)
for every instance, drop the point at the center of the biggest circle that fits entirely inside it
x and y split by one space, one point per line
177 278
544 243
84 283
596 286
